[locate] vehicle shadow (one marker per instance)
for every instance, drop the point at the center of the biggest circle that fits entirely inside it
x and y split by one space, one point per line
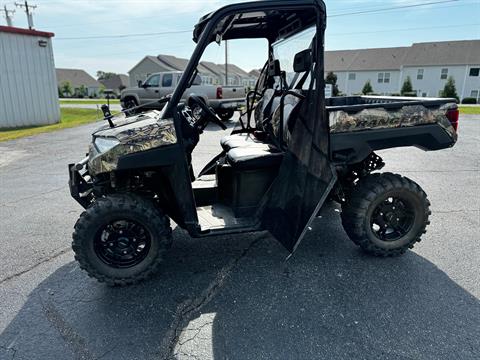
328 301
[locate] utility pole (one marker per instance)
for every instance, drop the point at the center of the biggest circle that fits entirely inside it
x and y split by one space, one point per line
226 62
8 15
28 12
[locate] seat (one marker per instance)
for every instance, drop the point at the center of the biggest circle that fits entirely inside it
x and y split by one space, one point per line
251 158
241 140
274 115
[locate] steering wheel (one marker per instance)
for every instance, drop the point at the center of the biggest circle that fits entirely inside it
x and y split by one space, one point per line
208 112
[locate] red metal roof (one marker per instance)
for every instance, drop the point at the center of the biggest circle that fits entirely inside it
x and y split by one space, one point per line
15 30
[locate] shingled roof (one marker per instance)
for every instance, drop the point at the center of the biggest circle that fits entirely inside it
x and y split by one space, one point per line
76 77
419 54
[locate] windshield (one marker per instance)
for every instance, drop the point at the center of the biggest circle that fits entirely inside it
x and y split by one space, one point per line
285 51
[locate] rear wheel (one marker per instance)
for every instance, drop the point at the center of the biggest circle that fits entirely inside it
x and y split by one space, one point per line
226 115
386 214
120 239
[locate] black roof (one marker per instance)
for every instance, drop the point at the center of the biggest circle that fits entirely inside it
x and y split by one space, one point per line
271 19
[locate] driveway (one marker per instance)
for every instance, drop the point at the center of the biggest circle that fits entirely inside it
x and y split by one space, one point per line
235 297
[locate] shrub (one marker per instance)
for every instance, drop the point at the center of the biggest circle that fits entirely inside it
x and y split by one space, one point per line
469 100
450 91
410 94
407 87
367 88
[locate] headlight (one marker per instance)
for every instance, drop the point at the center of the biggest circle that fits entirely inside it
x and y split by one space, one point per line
104 144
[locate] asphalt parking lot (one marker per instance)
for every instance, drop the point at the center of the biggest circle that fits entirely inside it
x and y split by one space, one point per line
236 297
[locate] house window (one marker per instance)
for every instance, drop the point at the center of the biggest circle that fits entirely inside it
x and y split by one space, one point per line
474 71
167 80
444 74
420 74
384 78
474 94
352 76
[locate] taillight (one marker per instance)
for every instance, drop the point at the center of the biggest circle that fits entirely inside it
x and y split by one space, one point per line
452 116
219 92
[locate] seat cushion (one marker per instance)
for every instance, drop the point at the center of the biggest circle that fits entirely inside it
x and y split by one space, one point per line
251 158
241 140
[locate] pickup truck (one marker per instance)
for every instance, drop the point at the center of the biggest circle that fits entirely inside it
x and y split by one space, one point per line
223 99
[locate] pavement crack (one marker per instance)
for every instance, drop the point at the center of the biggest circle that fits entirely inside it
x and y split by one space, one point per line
191 306
76 342
11 350
34 266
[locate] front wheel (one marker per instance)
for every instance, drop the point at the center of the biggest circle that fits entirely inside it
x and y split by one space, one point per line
120 239
386 214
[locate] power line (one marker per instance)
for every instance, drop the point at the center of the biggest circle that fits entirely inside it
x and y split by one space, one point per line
392 8
403 29
124 35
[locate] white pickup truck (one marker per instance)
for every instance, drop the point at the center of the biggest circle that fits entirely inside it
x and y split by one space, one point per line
223 99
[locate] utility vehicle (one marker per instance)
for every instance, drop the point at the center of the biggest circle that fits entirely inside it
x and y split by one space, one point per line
291 151
225 100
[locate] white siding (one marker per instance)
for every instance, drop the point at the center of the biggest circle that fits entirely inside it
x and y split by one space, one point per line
142 70
350 87
28 85
432 84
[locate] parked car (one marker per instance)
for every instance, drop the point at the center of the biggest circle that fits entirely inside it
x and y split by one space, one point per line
223 99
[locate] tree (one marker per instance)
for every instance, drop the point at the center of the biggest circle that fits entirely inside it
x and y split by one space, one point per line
367 88
449 91
101 90
102 75
82 91
66 88
332 79
407 87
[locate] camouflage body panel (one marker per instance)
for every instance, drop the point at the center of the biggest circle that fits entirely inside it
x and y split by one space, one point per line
149 131
383 118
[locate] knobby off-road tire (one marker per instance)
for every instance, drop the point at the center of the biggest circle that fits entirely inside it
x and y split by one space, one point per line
386 214
226 115
120 239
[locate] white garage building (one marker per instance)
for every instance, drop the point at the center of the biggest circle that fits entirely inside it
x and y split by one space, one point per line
28 85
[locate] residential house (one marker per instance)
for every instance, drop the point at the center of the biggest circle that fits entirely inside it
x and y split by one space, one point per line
211 73
427 64
79 79
161 63
116 83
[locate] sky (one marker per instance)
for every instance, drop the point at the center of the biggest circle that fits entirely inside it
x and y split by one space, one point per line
113 28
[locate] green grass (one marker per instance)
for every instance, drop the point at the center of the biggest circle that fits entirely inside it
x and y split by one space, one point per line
469 110
70 117
89 101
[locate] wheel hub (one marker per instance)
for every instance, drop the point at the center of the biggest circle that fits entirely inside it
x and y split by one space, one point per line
392 219
122 243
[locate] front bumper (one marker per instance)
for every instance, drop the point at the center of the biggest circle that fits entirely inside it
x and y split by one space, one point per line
80 184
